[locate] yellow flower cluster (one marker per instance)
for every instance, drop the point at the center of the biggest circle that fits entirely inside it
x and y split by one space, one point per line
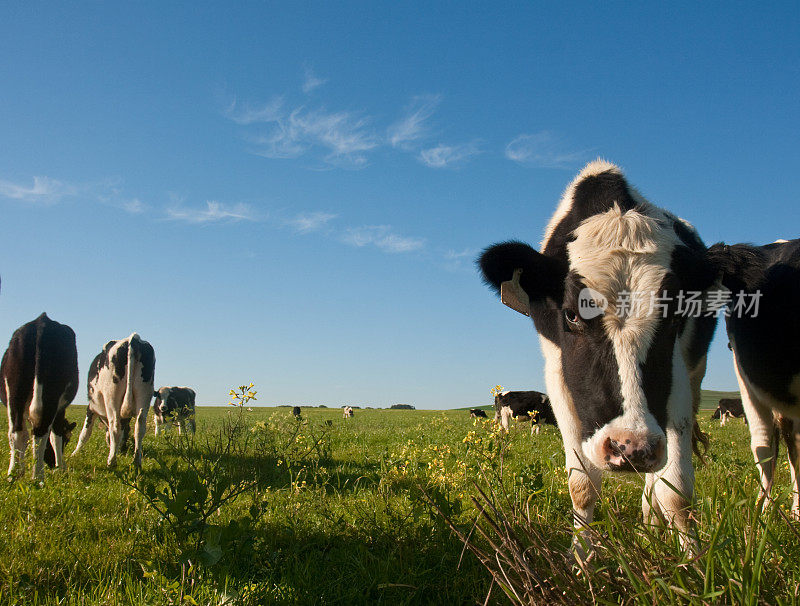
243 395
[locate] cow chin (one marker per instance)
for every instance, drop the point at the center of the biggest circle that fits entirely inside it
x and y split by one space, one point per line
633 450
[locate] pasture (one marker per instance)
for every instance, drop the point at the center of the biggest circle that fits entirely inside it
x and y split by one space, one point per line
334 514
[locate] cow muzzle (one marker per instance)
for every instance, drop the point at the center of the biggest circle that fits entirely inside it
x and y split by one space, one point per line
624 450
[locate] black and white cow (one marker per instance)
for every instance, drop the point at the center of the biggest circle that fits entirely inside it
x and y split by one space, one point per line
477 413
347 412
623 376
764 332
527 405
120 387
39 380
729 408
174 405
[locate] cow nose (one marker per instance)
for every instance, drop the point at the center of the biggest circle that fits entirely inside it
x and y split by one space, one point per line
631 451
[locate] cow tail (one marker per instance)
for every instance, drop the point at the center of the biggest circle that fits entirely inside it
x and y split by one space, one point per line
129 402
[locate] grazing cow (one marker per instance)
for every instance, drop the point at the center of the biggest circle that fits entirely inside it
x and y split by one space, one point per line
39 380
764 332
533 406
477 412
623 376
729 408
174 404
120 387
347 412
296 412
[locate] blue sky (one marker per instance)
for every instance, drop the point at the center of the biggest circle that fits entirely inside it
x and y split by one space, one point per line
294 194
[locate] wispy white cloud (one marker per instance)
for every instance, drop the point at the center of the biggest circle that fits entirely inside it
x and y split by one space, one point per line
214 212
467 253
459 260
134 206
446 156
382 237
544 150
305 223
409 129
312 81
43 191
346 137
246 114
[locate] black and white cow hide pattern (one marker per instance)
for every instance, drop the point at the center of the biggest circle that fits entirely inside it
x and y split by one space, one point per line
174 405
624 384
120 387
39 374
766 349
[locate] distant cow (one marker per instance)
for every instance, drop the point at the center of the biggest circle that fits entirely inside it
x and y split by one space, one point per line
764 332
729 408
174 405
525 405
39 375
120 387
347 412
296 412
477 412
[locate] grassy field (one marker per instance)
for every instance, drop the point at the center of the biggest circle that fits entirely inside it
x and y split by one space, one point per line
334 514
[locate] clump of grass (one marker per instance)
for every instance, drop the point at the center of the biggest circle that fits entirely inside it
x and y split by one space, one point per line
745 556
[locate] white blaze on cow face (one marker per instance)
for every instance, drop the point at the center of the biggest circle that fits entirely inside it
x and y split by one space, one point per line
620 256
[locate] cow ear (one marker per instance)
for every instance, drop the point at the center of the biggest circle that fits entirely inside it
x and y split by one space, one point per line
521 275
738 265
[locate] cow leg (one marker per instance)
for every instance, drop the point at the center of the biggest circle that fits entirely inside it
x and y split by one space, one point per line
86 430
762 442
505 417
114 439
192 425
790 431
39 444
138 435
158 423
18 444
584 489
181 428
669 492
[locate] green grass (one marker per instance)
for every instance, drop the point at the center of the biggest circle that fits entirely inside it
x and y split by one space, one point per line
351 526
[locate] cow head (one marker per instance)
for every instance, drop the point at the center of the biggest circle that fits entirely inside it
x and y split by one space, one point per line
612 362
63 428
160 404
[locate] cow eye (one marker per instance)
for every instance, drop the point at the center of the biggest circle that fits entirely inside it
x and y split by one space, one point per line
572 318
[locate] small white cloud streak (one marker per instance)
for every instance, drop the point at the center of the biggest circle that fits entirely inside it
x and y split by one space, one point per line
411 127
312 81
134 206
306 223
44 190
382 237
213 213
344 135
543 150
445 156
270 112
452 255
